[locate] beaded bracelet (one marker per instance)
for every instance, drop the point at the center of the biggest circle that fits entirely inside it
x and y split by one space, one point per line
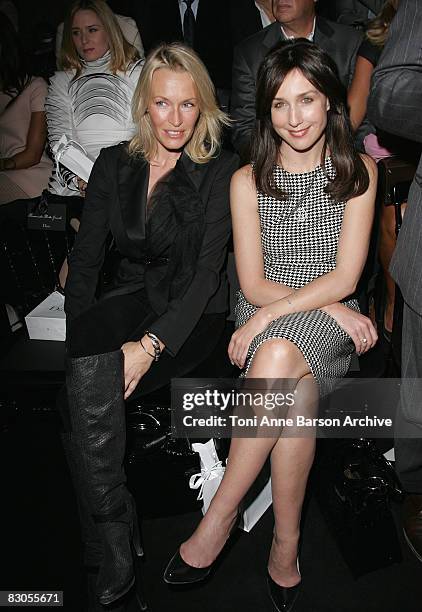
155 344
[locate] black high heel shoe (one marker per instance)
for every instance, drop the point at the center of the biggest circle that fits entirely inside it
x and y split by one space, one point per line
283 598
180 572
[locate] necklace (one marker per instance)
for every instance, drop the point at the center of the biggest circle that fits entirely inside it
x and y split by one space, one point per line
298 206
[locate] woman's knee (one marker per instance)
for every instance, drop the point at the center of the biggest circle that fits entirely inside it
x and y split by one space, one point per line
282 353
86 336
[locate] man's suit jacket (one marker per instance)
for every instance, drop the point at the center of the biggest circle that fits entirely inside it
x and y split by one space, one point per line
395 106
116 202
339 41
356 10
159 21
245 19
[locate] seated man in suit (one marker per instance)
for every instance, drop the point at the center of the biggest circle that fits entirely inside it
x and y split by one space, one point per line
294 20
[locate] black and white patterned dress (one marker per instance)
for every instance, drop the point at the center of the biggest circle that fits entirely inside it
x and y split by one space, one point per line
299 238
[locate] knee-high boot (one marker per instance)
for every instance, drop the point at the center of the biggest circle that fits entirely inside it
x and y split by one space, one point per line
97 416
93 547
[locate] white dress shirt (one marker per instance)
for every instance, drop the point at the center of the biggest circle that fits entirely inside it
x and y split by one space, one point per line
309 37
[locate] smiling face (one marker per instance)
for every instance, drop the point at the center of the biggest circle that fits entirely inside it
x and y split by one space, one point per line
299 113
89 35
173 108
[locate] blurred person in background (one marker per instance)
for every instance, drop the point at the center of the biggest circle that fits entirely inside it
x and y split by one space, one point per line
395 105
24 166
296 19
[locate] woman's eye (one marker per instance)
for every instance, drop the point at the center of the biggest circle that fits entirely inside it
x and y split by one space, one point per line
91 30
279 104
188 104
308 100
160 103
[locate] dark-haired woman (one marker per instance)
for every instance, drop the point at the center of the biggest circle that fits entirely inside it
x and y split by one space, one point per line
24 166
302 215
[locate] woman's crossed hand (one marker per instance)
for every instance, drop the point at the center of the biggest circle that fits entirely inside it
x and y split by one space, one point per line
356 325
243 336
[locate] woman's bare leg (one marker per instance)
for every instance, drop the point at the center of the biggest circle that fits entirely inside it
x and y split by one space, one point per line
385 251
291 461
274 359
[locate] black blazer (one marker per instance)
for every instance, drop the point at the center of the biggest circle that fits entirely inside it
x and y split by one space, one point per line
339 41
159 21
195 211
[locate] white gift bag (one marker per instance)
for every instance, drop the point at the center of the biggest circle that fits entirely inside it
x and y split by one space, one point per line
208 481
73 156
48 320
257 508
212 472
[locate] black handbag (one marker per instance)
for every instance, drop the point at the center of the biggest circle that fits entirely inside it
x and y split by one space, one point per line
32 247
158 463
355 487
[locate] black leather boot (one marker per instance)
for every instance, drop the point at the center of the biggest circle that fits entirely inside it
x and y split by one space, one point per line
93 546
97 416
92 542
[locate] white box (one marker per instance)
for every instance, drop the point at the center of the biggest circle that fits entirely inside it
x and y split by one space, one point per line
48 320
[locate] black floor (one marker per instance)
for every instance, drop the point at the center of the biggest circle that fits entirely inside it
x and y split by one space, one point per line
40 546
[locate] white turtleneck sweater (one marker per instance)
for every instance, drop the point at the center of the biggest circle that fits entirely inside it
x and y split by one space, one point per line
94 110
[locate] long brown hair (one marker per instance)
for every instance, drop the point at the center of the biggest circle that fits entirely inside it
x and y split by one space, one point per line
351 177
122 53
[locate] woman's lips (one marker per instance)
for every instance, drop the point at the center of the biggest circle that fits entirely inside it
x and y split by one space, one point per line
298 133
174 133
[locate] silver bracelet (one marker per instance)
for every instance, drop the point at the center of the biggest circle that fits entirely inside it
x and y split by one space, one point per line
155 344
147 352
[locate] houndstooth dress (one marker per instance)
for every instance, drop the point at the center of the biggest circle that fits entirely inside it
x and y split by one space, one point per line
299 238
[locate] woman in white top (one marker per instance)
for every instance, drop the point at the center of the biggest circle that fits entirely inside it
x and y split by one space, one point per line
90 100
24 166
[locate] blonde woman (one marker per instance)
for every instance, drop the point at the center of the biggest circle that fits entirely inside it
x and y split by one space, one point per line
90 99
164 196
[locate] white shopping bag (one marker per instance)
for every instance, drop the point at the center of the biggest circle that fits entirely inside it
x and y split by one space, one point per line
212 472
208 481
257 508
73 156
48 320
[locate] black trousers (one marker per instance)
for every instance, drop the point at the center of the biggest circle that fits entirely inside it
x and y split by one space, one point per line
111 322
408 441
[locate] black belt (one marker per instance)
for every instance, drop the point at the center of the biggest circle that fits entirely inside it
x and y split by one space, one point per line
150 261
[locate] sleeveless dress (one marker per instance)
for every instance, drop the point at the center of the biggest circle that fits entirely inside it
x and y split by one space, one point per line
299 238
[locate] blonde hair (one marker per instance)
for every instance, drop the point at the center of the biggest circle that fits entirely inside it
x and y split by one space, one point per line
205 140
378 28
122 52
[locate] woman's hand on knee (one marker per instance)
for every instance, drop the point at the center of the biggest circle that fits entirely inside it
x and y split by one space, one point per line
136 364
242 337
356 325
